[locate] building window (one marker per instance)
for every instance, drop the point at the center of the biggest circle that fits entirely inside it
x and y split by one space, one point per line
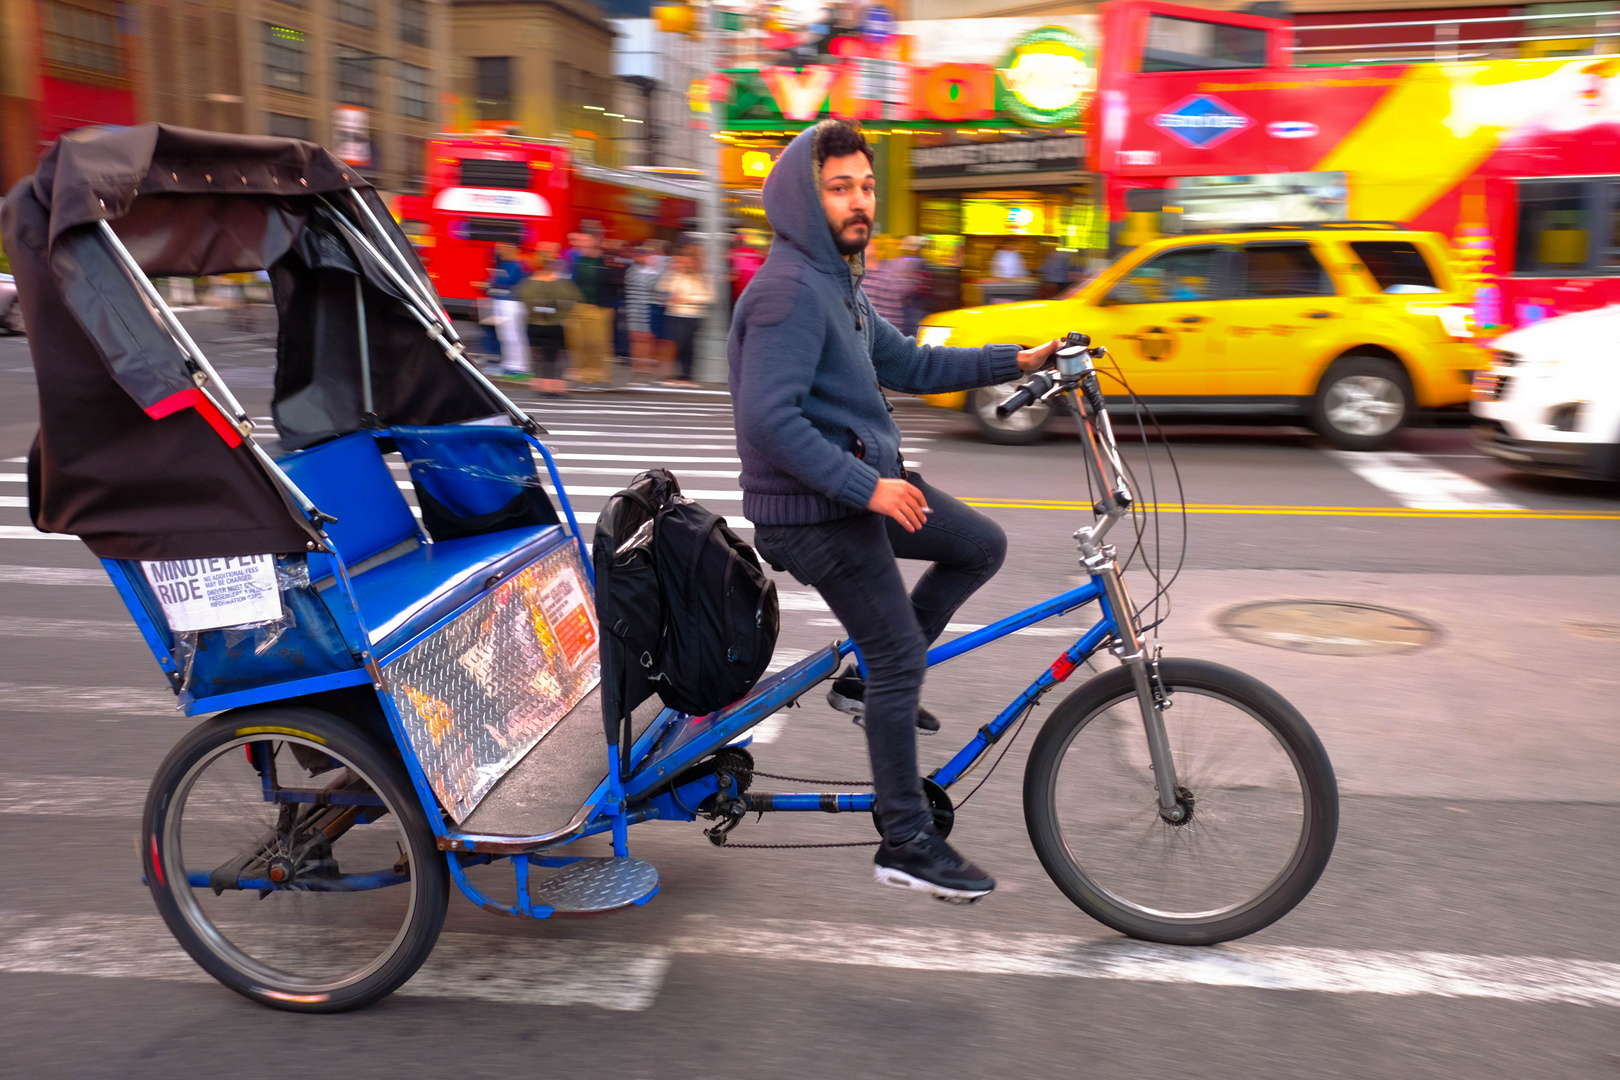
289 127
284 50
415 92
415 163
413 22
358 12
81 38
354 76
494 87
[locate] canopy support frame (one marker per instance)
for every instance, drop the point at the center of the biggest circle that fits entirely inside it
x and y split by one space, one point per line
436 325
205 376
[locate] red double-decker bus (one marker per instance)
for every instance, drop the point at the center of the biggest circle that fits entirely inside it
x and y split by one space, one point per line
1204 120
486 189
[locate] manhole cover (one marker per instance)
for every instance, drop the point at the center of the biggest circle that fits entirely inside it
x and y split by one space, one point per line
1329 628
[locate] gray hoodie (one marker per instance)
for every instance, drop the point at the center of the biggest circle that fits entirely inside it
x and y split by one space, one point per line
809 361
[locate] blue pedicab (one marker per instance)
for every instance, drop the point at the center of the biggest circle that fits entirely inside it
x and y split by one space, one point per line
400 694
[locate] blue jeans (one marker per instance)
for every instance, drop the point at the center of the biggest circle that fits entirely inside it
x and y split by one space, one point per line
851 563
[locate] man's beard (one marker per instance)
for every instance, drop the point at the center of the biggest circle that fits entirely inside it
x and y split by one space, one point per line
853 247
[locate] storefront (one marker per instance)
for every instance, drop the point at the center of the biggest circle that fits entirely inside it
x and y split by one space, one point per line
978 128
1015 192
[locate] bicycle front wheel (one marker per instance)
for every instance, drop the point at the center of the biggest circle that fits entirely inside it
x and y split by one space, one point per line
1264 806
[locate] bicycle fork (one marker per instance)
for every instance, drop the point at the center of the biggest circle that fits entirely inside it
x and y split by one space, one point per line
1150 694
1079 379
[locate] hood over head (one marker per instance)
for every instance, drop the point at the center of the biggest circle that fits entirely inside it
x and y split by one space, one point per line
793 205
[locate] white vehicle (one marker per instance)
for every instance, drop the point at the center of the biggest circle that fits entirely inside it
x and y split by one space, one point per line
1550 402
11 319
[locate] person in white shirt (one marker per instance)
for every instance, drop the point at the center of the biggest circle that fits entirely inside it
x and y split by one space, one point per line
1008 264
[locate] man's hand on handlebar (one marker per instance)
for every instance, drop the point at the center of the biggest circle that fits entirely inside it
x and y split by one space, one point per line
901 501
1038 357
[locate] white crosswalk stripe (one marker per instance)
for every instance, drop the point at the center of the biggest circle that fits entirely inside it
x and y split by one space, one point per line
119 700
52 575
628 977
1419 483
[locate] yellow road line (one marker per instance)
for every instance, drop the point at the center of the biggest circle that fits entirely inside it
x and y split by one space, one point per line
1314 511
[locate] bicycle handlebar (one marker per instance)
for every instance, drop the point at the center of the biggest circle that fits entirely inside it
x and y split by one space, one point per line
1038 386
1077 377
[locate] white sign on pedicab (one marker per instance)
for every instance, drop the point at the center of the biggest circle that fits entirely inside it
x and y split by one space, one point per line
206 594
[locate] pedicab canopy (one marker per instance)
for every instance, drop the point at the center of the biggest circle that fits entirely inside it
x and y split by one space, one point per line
132 455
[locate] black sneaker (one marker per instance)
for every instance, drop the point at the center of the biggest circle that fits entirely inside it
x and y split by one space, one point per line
848 695
928 864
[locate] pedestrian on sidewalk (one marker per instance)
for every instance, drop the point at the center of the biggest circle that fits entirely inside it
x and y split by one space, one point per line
688 297
510 324
890 284
618 267
547 299
591 342
641 282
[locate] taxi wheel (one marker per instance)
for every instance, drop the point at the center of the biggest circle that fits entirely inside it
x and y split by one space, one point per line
14 321
1362 403
1027 425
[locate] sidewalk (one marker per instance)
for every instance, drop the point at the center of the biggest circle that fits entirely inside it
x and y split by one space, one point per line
1517 700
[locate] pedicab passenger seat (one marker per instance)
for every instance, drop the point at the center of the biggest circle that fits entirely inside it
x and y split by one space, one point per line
402 583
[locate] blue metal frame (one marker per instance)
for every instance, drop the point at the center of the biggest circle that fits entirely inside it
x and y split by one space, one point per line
667 748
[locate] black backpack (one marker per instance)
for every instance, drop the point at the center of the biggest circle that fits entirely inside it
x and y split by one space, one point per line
720 610
685 608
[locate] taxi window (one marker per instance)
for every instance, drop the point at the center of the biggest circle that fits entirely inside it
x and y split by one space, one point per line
1184 274
1397 265
1271 271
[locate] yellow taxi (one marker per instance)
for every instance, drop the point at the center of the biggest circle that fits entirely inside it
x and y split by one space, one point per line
1353 326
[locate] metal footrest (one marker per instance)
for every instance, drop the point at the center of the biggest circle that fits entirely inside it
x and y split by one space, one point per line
591 886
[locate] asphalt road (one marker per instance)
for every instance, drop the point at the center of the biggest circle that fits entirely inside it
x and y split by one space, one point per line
1466 926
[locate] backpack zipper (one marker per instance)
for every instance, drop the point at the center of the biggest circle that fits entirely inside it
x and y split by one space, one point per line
731 625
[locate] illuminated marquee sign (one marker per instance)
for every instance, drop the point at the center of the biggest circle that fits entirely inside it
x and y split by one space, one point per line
1045 79
1048 77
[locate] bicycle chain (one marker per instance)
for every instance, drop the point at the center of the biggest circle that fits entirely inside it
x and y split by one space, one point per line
797 847
787 847
812 780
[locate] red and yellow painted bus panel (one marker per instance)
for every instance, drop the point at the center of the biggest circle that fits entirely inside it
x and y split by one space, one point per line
1517 162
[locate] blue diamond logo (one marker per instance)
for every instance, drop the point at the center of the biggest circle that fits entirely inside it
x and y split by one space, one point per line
1201 122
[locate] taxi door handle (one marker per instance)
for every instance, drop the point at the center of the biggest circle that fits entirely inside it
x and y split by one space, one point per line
1319 314
1191 319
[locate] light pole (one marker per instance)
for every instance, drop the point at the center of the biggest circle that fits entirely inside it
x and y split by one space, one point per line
711 343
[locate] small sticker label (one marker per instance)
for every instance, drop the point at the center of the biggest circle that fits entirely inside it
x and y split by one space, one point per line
569 613
205 594
1292 129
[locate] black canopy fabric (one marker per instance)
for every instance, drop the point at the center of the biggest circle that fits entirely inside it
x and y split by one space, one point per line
130 456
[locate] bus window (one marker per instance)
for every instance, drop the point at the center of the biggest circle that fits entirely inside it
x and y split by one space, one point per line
495 230
1397 266
1553 220
489 173
1611 248
1175 44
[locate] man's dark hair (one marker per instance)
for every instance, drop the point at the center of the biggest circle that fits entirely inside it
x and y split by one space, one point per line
840 138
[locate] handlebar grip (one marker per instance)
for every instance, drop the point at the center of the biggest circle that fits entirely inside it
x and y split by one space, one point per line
1037 386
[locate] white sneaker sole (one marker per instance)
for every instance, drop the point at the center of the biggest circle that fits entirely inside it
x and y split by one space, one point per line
899 879
852 706
857 708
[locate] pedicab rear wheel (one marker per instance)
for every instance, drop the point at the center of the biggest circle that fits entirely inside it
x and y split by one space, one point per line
317 888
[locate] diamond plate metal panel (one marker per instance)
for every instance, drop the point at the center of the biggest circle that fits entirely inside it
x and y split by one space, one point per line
476 696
